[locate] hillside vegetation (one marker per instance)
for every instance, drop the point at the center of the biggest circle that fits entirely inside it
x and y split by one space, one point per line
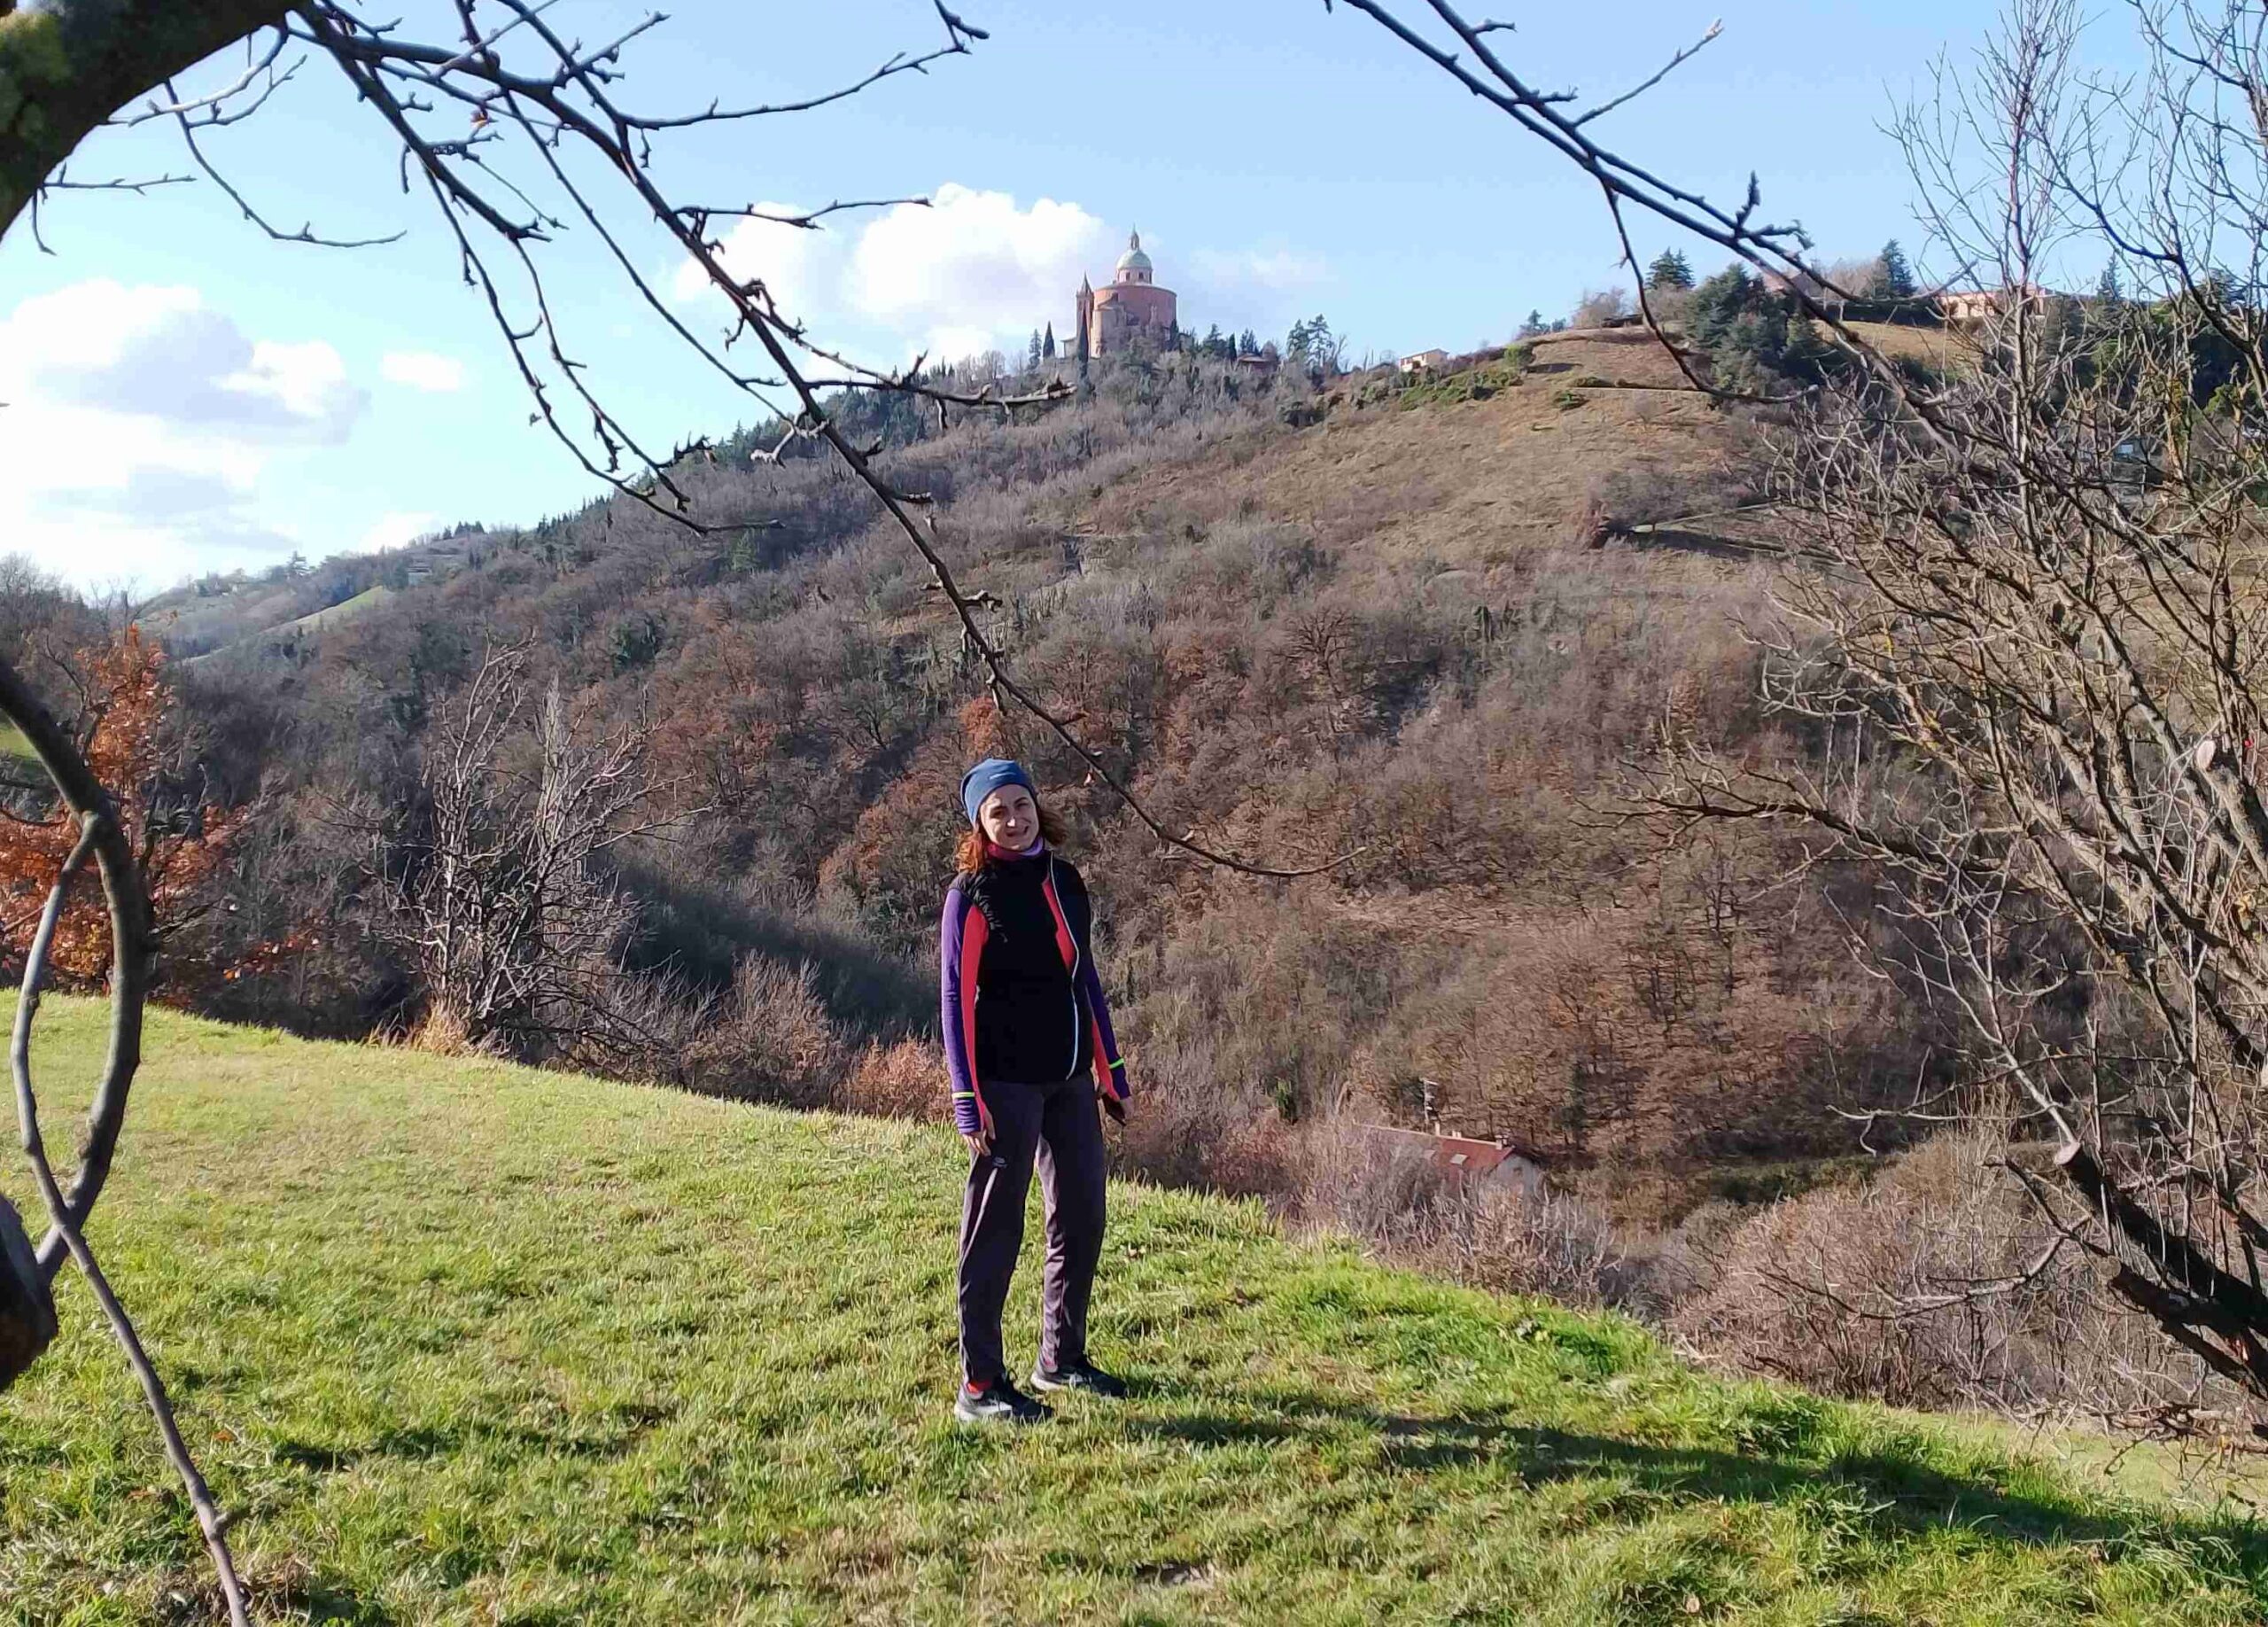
460 1341
1425 634
1422 641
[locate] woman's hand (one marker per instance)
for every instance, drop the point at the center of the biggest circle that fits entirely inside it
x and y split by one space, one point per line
979 1143
1116 1108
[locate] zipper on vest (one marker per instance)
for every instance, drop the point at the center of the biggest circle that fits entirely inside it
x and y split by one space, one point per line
1055 898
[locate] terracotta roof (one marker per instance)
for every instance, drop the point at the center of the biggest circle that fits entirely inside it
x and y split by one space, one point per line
1462 1154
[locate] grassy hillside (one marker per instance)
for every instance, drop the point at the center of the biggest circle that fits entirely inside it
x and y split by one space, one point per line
464 1342
314 621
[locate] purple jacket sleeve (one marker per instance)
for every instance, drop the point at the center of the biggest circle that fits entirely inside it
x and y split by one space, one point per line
961 1070
1110 1068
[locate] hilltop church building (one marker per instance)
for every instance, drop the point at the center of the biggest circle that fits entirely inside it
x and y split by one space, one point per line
1133 305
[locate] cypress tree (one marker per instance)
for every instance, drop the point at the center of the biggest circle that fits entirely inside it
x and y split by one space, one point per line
1895 279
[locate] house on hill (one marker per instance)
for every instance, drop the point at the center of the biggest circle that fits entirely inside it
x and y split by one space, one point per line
1975 306
1426 362
1465 1162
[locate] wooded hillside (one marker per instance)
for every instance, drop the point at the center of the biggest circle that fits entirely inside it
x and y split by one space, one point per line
1417 636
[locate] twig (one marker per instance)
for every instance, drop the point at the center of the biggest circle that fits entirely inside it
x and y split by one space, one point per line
209 1518
305 234
1715 28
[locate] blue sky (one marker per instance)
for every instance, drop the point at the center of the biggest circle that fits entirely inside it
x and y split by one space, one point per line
186 394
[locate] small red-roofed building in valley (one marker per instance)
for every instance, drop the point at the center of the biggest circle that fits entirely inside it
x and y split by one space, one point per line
1465 1160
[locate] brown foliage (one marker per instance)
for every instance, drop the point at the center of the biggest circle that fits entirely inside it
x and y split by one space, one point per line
904 1080
126 704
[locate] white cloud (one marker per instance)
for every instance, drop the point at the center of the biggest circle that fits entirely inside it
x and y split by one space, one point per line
157 354
972 262
137 425
974 270
955 343
421 370
968 272
800 268
306 382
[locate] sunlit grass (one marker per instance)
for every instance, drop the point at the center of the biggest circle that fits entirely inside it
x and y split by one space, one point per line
464 1342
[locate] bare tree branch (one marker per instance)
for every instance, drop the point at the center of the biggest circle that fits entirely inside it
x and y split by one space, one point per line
68 1219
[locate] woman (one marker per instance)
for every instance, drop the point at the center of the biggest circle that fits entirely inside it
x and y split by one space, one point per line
1024 1019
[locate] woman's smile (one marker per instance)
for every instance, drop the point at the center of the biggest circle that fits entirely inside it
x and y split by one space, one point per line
1010 817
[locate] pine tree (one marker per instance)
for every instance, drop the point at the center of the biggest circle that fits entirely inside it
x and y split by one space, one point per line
1669 272
1249 345
1295 345
1047 345
2107 289
1215 344
1533 325
1031 357
1895 278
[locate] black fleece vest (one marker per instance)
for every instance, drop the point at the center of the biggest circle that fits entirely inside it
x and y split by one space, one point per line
1032 1022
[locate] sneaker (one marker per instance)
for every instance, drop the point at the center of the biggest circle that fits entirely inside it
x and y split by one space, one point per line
999 1402
1079 1375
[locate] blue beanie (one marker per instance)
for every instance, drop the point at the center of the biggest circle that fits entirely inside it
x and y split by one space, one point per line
989 776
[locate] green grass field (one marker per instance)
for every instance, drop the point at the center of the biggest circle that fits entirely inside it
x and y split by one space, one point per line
462 1342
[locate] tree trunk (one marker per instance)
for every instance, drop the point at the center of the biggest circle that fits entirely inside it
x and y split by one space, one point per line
67 64
27 1311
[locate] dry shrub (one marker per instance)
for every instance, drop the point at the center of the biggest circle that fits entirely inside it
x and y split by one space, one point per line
1600 306
1591 525
768 1039
1391 1194
1204 1141
1197 1120
437 1029
1543 1242
904 1080
1873 1290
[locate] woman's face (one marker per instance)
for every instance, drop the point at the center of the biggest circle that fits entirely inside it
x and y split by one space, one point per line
1009 817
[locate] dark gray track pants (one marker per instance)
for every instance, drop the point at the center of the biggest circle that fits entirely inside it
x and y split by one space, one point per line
1057 1125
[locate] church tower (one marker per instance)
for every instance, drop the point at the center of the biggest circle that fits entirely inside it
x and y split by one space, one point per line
1130 309
1134 268
1086 332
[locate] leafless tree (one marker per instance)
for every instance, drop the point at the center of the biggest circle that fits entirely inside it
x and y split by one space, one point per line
2025 625
1322 648
496 879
